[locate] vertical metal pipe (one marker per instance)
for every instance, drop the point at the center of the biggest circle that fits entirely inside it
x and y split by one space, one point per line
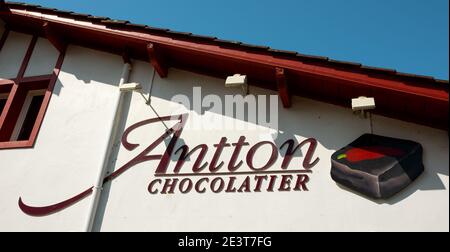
112 128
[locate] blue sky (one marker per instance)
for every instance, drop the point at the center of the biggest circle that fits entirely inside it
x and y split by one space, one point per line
408 35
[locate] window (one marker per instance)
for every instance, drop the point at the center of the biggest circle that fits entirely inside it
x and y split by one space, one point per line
23 102
21 108
3 98
5 89
28 115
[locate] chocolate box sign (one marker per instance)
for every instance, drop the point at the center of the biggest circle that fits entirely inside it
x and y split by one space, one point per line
212 175
377 166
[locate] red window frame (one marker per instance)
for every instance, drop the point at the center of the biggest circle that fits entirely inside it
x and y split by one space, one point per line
19 88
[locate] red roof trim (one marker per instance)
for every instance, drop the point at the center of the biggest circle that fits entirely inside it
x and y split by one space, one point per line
126 25
424 99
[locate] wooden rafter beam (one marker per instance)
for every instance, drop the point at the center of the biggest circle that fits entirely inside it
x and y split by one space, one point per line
156 60
282 86
57 41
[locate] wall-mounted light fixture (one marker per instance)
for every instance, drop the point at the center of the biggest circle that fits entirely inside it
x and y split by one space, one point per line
237 80
362 105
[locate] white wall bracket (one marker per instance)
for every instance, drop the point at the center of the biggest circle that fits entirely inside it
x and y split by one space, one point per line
133 86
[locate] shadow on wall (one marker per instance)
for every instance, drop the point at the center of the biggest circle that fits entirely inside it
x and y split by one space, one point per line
84 68
88 67
332 126
144 77
333 129
435 155
427 181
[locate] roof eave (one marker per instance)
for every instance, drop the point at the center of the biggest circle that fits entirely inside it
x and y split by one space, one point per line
311 77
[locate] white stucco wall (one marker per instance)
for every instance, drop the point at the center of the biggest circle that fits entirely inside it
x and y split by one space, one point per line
326 207
67 151
67 155
43 59
12 54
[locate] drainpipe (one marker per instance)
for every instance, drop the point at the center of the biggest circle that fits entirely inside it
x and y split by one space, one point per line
112 132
